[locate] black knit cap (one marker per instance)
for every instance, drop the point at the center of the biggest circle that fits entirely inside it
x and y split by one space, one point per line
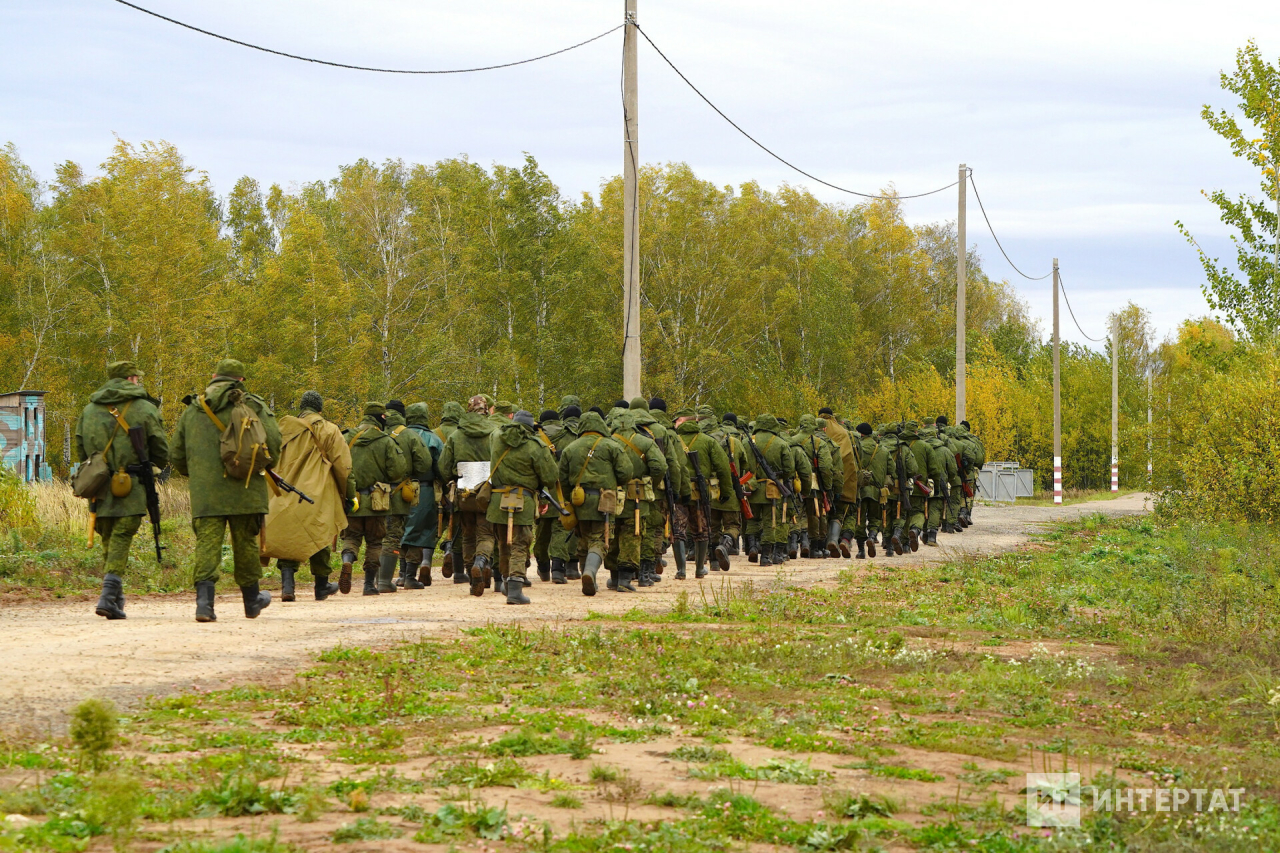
657 403
571 412
964 424
864 428
548 415
621 404
396 406
825 410
730 417
596 409
942 420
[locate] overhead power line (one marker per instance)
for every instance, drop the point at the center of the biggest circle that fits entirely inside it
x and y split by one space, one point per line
997 239
765 148
1073 313
365 67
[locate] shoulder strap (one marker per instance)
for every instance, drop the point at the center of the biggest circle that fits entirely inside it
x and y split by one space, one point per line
120 422
497 465
208 411
354 438
578 480
634 449
397 430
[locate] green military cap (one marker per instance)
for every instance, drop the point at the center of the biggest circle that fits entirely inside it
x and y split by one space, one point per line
683 412
504 407
122 370
570 400
374 409
488 401
808 421
231 367
640 403
910 426
705 411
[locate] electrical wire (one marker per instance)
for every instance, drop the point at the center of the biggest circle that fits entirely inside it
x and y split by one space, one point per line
364 67
997 239
1073 313
765 148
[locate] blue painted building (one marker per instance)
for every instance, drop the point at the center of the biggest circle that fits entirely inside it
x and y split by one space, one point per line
22 447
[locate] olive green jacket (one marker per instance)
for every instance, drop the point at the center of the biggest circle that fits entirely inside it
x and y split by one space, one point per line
468 443
736 451
194 453
417 459
519 459
375 458
712 460
449 416
666 440
646 457
594 461
777 452
95 428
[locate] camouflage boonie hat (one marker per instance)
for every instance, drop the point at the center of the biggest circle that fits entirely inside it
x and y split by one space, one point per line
231 368
122 370
504 407
374 409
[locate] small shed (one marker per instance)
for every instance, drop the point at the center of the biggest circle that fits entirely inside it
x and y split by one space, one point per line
22 446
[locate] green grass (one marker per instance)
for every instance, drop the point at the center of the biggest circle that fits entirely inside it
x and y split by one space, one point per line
1133 646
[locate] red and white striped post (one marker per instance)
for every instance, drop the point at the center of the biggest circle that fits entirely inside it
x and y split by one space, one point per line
1115 404
1057 397
1057 479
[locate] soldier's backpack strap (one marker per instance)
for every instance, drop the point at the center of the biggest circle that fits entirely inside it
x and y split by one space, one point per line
497 465
121 423
397 430
577 481
204 404
634 449
355 438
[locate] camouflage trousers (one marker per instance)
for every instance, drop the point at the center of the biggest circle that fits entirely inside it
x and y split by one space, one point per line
513 555
915 519
866 522
368 530
694 527
656 530
626 545
395 534
726 522
211 531
117 538
591 539
477 537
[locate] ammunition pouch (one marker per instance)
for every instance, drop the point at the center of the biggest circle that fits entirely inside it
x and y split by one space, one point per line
714 488
608 504
380 497
771 490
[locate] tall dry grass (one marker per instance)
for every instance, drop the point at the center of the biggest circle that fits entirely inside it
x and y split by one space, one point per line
58 510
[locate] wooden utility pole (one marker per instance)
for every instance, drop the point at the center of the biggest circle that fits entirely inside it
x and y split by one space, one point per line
962 252
630 210
1057 397
1115 404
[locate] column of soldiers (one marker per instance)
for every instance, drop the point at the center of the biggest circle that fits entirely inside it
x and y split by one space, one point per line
590 496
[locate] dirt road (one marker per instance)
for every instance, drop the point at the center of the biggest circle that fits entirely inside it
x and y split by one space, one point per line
57 654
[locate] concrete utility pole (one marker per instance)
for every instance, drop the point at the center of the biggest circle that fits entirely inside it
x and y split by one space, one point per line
962 258
1057 397
1149 466
630 210
1115 405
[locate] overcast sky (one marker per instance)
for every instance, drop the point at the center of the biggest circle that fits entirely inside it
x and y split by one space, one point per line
1081 121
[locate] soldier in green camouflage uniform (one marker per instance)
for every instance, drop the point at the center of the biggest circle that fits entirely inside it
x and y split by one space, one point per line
648 467
219 503
422 527
377 463
451 558
520 465
660 508
470 443
564 543
713 463
817 452
593 464
117 519
778 452
726 511
417 460
676 529
926 467
871 463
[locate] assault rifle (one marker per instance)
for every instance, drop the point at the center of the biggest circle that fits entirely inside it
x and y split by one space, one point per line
147 477
704 490
737 482
551 501
769 473
282 485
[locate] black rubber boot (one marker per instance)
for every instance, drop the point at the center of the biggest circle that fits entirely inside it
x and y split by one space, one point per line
204 601
409 574
793 546
722 552
700 559
424 568
931 538
612 582
677 552
846 544
499 581
460 573
446 559
871 545
862 549
544 570
386 579
833 538
324 589
286 584
515 590
479 575
573 570
557 570
344 577
894 545
626 578
108 603
255 600
753 549
732 543
647 576
370 582
766 555
914 535
805 551
589 570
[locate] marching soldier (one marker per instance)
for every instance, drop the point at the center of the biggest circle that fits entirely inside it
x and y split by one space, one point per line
713 466
591 468
726 511
776 451
377 464
405 495
314 457
866 518
115 408
550 569
219 501
902 470
470 443
648 467
660 508
520 466
451 559
846 499
422 527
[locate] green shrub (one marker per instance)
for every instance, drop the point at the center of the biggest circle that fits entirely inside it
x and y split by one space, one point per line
93 730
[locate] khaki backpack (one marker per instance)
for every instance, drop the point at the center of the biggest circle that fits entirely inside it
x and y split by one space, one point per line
243 445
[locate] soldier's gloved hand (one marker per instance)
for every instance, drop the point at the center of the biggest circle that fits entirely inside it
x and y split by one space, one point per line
351 505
